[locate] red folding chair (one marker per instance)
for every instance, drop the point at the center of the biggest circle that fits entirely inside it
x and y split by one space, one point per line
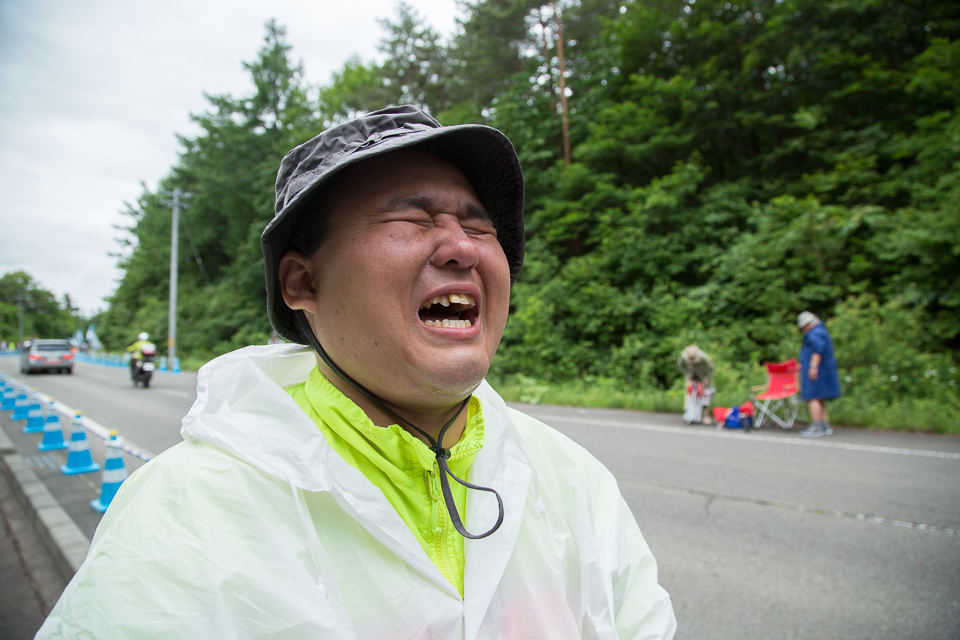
779 399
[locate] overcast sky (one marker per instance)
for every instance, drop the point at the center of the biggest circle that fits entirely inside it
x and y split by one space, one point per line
92 95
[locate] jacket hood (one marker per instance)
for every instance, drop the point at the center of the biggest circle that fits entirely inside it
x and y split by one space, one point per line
242 408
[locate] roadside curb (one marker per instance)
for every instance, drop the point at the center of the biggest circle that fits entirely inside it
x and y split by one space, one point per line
59 534
6 444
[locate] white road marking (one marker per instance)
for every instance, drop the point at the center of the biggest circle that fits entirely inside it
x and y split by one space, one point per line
96 428
755 437
176 392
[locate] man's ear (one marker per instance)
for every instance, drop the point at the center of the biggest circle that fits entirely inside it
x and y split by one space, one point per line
297 282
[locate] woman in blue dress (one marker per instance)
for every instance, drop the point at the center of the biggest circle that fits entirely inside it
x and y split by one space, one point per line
819 380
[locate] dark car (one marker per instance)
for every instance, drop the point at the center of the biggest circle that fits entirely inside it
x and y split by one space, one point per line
47 355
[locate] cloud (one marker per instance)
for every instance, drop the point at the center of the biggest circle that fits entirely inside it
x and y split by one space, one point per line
93 95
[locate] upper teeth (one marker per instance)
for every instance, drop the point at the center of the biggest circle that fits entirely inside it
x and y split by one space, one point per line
453 298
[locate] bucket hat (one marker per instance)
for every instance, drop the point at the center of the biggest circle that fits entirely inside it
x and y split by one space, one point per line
483 154
691 354
806 318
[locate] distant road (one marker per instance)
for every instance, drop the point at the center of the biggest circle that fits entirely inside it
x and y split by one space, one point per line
758 536
148 418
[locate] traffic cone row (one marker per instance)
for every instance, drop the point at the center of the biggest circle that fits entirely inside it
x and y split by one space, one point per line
26 406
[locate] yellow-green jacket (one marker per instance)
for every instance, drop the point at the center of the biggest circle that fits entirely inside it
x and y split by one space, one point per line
135 349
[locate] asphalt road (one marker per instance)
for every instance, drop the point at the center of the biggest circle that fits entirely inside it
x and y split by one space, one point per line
758 535
768 535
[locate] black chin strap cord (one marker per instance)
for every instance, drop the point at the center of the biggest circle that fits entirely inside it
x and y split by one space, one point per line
435 444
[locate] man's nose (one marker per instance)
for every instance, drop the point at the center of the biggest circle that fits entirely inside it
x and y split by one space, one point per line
455 248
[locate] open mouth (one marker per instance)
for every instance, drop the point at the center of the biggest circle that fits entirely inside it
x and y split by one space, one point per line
451 310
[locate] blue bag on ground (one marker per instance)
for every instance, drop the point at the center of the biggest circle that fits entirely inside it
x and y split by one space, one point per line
733 419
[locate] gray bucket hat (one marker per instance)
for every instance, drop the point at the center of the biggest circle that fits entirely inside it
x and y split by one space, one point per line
484 155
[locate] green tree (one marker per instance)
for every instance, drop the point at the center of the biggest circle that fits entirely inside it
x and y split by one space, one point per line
741 164
728 166
416 66
43 316
416 70
355 89
488 52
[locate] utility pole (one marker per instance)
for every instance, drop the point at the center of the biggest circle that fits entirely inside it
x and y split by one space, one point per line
544 16
172 318
20 318
564 108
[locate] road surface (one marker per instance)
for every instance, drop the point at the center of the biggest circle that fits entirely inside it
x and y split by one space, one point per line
758 535
147 418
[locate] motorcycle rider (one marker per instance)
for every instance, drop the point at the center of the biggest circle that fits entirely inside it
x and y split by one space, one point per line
136 350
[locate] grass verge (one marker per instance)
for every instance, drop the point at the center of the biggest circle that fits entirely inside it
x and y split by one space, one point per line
920 415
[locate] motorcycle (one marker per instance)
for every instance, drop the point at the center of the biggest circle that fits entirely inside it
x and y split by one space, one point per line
143 367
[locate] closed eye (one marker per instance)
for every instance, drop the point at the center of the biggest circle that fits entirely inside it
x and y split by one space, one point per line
422 209
477 220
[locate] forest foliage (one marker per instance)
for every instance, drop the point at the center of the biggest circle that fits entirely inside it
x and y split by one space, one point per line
25 305
698 171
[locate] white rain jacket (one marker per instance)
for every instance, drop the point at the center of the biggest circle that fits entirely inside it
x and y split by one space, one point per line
255 528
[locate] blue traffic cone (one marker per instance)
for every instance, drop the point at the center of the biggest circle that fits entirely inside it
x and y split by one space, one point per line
52 433
35 420
114 473
22 406
9 399
79 459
